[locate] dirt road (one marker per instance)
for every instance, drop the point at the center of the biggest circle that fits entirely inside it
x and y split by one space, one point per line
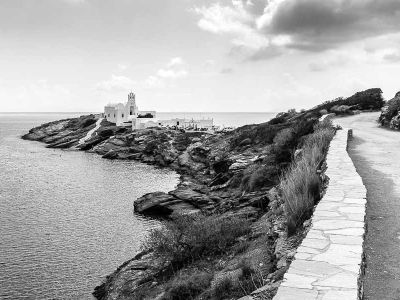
376 154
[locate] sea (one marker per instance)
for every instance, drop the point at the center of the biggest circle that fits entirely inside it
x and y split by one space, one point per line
66 217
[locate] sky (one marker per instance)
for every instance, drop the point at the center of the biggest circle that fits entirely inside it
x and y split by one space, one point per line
194 55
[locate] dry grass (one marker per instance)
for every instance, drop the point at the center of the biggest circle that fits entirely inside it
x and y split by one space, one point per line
301 184
188 286
190 238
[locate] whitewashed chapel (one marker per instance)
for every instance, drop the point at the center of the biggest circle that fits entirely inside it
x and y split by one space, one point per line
128 114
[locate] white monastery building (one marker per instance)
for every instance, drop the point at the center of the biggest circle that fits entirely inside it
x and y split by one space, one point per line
128 114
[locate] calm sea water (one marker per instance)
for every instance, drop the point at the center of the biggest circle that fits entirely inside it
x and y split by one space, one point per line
66 217
222 119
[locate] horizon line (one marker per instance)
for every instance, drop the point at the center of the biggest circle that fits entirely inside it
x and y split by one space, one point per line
91 112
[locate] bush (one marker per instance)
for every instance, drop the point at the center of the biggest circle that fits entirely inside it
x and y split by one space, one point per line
257 134
190 238
223 289
188 286
106 132
88 122
393 107
301 184
258 176
247 282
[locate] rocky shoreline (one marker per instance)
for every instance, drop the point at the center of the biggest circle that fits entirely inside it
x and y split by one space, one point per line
227 174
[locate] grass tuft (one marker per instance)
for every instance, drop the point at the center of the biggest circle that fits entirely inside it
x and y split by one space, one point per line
301 184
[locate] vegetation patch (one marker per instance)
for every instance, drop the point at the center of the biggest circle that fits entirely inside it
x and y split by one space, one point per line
190 238
188 286
301 184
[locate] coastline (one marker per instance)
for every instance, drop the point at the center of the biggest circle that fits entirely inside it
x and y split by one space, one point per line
216 177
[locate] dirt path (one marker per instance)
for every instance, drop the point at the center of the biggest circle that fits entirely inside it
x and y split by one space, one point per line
376 154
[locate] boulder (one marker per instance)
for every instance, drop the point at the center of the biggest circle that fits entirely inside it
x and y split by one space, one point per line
188 195
111 155
130 276
155 203
185 161
198 152
245 142
165 205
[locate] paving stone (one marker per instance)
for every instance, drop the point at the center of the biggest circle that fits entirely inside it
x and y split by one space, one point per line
355 200
340 281
315 243
303 255
338 254
335 224
352 209
330 214
303 249
346 239
340 295
356 217
313 268
355 268
298 281
347 231
316 234
286 293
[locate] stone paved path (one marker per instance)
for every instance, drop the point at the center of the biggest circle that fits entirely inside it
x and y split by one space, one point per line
376 154
327 264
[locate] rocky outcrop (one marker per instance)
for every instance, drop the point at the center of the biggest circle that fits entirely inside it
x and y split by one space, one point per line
368 100
62 134
390 115
137 272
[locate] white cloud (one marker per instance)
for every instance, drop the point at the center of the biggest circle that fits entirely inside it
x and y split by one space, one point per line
122 67
170 73
307 25
154 82
116 83
173 70
176 61
233 20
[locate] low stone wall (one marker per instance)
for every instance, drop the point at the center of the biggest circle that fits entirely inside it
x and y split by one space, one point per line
328 262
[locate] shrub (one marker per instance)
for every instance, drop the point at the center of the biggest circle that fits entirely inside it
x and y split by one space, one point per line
106 132
188 286
258 176
393 108
223 288
88 122
301 184
192 237
249 280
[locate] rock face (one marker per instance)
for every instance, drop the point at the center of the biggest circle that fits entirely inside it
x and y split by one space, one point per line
64 133
390 116
141 270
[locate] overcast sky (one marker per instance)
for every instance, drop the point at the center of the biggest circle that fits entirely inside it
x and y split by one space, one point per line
195 55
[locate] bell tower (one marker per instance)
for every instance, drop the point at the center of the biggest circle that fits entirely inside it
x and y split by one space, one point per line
133 110
131 97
